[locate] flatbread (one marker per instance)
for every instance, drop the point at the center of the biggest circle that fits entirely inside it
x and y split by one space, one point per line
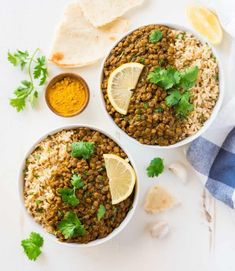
101 12
158 199
78 43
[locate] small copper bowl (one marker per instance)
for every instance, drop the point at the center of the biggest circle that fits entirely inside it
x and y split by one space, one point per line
59 77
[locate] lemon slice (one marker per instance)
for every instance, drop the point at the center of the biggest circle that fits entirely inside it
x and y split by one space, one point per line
121 81
206 23
121 177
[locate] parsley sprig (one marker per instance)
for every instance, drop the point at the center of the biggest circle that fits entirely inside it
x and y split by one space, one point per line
70 226
155 167
35 65
67 194
178 84
32 246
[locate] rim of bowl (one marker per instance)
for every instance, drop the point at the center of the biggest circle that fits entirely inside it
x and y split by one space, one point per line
216 108
39 227
60 76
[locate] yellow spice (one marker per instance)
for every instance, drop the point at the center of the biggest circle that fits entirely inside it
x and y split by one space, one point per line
67 96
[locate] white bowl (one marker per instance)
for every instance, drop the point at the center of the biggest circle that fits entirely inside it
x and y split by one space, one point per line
215 110
39 228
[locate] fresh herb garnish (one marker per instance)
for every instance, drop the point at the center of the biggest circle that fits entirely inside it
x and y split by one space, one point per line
177 83
101 211
155 167
184 106
82 149
173 98
158 110
68 195
32 246
165 78
142 60
36 69
155 36
181 36
37 201
146 105
70 226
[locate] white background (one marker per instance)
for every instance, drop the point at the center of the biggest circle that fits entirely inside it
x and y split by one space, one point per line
193 244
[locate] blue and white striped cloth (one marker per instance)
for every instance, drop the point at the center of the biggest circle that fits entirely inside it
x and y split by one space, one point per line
212 156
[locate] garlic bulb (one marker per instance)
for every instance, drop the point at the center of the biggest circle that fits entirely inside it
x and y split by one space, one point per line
159 229
180 171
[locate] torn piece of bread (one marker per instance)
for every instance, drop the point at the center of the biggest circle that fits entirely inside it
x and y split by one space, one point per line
101 12
78 43
158 199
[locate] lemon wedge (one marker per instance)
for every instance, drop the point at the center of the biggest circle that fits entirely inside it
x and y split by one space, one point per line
121 176
206 23
121 83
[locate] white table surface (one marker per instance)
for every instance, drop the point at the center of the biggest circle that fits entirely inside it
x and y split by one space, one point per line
194 243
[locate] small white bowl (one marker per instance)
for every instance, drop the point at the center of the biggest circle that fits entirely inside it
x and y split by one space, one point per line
215 110
37 227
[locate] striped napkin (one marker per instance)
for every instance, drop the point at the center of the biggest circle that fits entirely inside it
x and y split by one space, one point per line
212 156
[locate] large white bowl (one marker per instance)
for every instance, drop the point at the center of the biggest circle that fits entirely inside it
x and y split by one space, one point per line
218 104
39 228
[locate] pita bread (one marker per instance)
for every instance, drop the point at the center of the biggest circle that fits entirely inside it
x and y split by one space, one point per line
78 43
101 12
158 200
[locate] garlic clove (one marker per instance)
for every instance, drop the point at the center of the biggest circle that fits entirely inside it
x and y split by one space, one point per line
179 169
159 229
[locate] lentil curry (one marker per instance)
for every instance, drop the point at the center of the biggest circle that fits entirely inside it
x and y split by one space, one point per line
60 188
149 119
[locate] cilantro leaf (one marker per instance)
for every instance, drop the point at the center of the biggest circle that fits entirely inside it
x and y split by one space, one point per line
101 211
155 167
165 78
184 106
155 36
32 245
70 226
188 77
68 196
18 58
40 70
82 149
173 98
21 93
77 181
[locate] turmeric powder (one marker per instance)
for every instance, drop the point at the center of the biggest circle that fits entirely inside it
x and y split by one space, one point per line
68 96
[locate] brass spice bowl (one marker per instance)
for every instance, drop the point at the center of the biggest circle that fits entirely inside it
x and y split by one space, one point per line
60 77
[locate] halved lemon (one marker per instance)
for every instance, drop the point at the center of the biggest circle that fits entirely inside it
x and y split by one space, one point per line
121 176
206 23
120 83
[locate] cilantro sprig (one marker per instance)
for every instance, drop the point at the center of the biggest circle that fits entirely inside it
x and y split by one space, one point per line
32 246
155 36
82 149
70 226
178 84
101 212
155 167
35 66
68 195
